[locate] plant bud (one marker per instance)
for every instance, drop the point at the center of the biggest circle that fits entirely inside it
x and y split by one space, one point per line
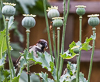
76 49
80 10
53 12
57 22
28 21
8 9
93 20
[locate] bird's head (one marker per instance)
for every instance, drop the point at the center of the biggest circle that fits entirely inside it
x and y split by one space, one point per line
42 44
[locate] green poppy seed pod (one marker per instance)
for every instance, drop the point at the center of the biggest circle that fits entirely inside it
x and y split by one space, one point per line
93 20
28 22
76 49
80 10
53 12
8 9
57 22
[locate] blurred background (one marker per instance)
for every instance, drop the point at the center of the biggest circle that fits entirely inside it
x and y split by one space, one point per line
18 35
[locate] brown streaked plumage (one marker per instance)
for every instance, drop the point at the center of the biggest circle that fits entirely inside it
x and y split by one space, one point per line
40 46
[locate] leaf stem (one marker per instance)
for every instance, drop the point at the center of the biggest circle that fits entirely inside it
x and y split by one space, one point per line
78 58
54 45
28 69
47 25
91 61
63 35
58 48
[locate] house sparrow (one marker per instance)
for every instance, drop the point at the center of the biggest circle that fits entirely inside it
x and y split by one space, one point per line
39 47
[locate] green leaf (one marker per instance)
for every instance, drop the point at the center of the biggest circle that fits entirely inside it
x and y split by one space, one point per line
10 23
93 36
44 59
85 45
71 68
16 49
70 74
4 75
15 79
24 78
3 46
16 46
44 77
79 44
81 78
69 54
72 44
23 62
14 25
2 60
21 37
27 7
24 4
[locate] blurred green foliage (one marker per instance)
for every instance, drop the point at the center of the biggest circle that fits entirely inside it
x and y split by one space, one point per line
22 6
28 6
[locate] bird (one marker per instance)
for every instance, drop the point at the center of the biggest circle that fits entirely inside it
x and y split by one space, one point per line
40 46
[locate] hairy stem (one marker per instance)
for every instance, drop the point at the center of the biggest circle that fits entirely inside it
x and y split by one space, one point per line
54 45
91 61
58 48
63 35
9 54
28 69
47 25
78 58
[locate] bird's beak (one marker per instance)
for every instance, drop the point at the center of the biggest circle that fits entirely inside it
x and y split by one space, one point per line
46 46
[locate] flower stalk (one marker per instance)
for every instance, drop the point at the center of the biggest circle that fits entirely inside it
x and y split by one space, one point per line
91 61
92 21
80 11
58 52
63 35
47 25
54 45
78 58
28 69
9 54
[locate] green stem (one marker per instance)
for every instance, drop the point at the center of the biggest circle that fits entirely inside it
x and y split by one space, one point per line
0 74
78 58
50 48
91 61
3 15
7 42
28 69
58 47
54 45
63 37
9 53
64 8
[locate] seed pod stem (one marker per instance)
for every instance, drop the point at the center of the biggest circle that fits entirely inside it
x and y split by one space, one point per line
78 58
9 54
58 48
54 44
28 69
91 61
